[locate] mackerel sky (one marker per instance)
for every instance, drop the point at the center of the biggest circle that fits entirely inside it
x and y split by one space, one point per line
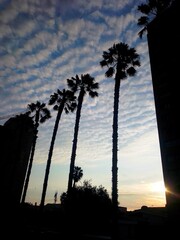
45 42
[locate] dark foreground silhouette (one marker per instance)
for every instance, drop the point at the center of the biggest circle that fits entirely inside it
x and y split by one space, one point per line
27 222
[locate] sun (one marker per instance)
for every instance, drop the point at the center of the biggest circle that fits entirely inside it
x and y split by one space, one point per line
158 187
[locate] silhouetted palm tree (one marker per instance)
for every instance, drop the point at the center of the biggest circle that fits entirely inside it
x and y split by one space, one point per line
121 62
77 175
40 114
55 197
84 84
151 10
63 100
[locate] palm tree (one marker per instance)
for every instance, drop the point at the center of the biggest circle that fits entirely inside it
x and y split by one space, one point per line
152 9
55 197
63 100
121 62
84 84
77 175
40 114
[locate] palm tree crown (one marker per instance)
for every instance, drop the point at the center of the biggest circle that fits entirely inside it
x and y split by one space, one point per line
120 60
85 83
39 112
65 98
150 10
77 175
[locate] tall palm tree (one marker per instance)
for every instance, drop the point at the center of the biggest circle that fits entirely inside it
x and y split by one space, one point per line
84 84
40 114
121 61
77 175
151 9
63 100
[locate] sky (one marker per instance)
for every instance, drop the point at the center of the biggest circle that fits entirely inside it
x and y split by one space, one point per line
42 44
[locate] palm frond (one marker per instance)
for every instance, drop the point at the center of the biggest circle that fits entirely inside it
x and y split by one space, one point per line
131 71
95 85
110 72
143 20
103 63
28 113
53 98
105 54
56 107
42 105
43 119
136 63
46 112
70 83
144 8
93 94
59 92
122 75
140 33
32 107
73 106
66 110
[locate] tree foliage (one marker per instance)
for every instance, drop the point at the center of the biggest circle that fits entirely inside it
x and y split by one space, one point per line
150 10
77 175
90 206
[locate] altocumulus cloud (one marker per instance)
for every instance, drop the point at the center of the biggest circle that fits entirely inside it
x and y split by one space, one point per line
43 43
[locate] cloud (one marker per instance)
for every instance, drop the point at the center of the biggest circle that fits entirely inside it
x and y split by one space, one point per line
44 44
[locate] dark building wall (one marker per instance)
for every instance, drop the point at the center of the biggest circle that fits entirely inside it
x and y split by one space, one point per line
163 40
15 142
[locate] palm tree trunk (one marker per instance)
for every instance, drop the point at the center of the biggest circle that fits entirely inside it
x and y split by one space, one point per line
115 161
74 146
32 155
29 168
50 155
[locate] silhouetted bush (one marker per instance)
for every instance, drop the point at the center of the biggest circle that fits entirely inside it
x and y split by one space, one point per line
88 208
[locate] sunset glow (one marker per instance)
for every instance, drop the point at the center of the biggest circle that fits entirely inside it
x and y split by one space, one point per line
158 187
44 43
